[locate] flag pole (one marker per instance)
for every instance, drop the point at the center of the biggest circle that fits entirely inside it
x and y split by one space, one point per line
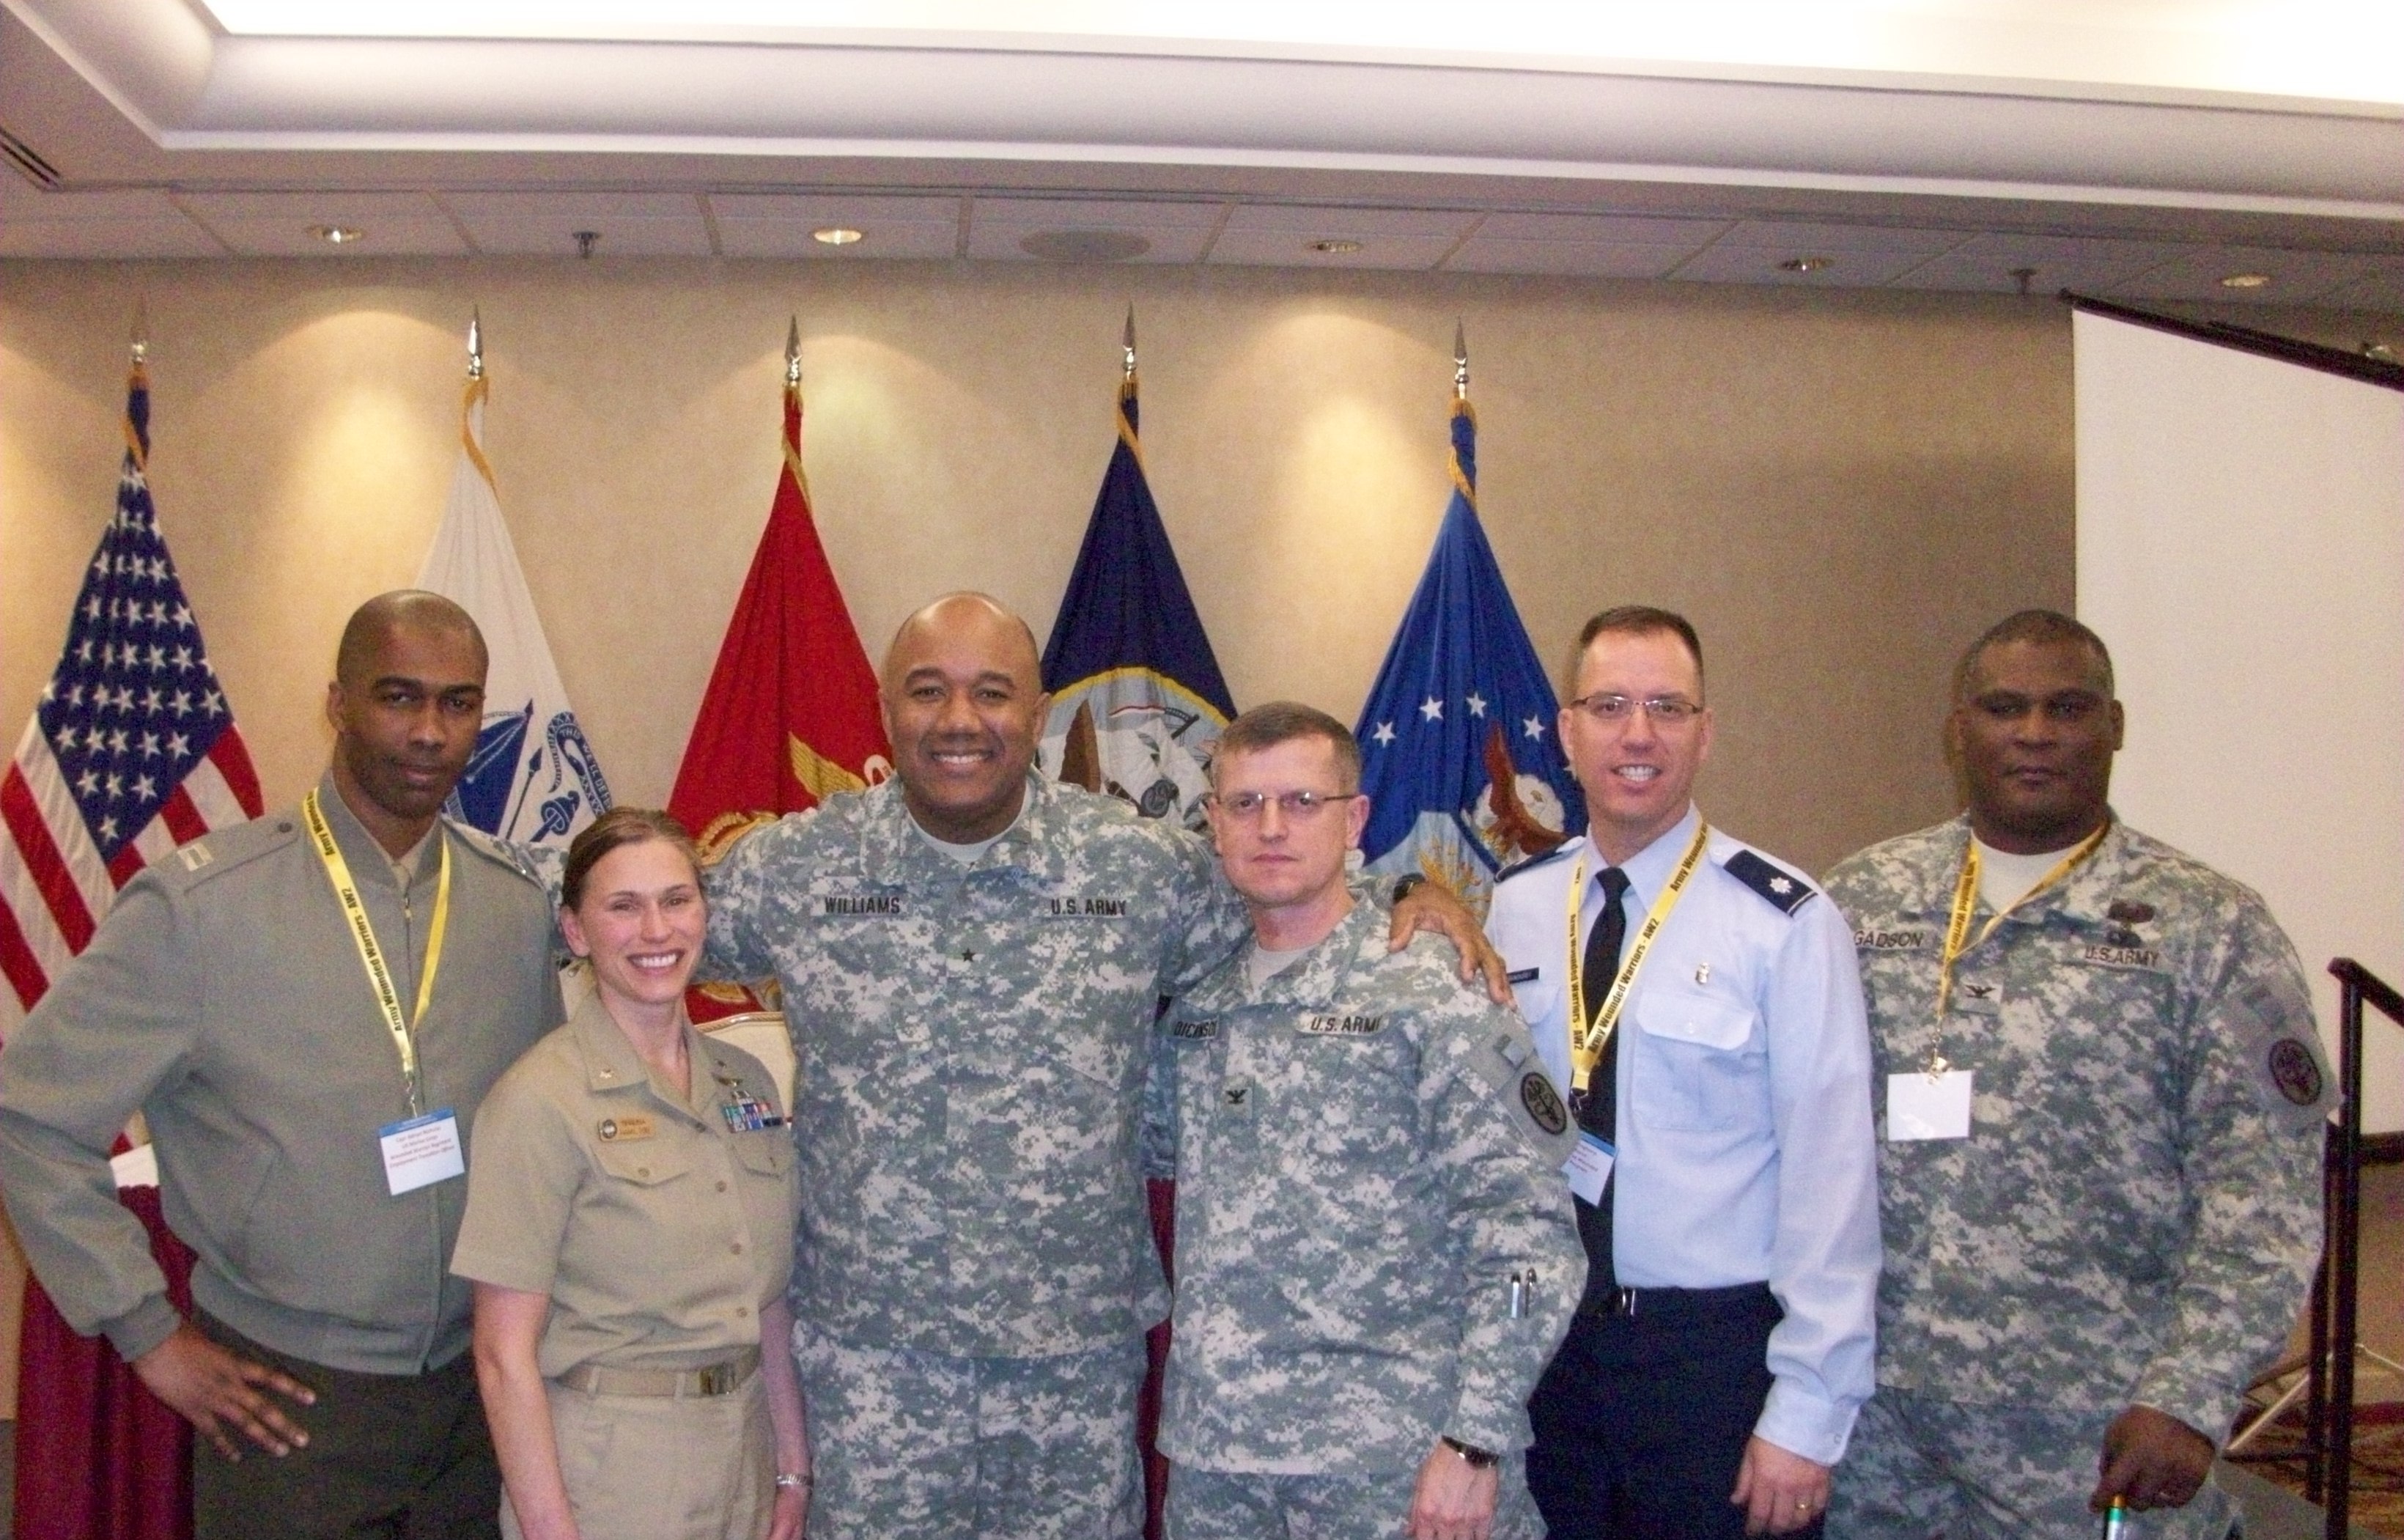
1460 362
1127 345
793 353
141 329
475 342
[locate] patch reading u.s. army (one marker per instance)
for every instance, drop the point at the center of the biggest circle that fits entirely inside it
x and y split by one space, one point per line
619 1130
862 903
1542 1102
1084 908
2295 1071
1194 1031
1337 1025
1786 891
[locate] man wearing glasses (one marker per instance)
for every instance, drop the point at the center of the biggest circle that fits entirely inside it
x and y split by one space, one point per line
1375 1254
1702 1003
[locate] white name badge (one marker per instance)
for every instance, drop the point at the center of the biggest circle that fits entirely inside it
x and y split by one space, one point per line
422 1151
1920 1105
1588 1167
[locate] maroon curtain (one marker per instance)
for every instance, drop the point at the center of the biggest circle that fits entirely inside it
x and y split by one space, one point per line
98 1456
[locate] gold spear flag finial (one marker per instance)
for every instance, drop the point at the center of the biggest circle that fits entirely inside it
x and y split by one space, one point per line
1127 343
141 328
1460 362
793 353
475 342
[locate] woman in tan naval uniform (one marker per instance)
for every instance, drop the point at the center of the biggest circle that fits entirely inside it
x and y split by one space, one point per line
629 1230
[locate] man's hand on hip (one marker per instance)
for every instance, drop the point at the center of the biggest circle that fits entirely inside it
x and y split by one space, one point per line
1778 1491
2151 1460
220 1393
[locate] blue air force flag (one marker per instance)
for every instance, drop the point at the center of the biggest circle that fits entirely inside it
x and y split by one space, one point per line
533 779
1137 699
1457 744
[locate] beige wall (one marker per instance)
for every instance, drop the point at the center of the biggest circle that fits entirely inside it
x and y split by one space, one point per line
1840 488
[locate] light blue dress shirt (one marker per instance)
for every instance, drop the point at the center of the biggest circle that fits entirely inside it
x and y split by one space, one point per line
1746 1153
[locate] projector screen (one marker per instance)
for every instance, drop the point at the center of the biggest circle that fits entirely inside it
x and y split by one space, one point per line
2241 549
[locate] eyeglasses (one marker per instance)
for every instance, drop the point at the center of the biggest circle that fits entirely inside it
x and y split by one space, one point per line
1299 805
1618 710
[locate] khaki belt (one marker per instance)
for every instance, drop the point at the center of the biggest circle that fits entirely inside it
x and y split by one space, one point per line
683 1385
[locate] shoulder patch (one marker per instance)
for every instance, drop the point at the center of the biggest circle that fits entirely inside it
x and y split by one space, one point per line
1783 889
1556 853
525 860
1543 1103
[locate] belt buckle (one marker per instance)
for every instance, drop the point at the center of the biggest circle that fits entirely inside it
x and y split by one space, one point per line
717 1379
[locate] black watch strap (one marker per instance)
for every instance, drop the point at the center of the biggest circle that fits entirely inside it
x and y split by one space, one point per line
1477 1459
1403 887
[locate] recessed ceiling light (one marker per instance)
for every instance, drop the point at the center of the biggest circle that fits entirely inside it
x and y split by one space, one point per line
1334 248
338 235
1806 264
2246 280
836 236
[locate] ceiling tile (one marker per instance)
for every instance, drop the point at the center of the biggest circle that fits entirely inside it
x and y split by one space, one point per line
2297 277
2382 292
781 224
2081 263
1171 233
1803 238
629 224
1724 263
1566 258
171 236
1320 222
1610 230
276 224
1291 248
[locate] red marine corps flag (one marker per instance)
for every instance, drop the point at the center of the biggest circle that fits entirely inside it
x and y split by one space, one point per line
790 716
132 753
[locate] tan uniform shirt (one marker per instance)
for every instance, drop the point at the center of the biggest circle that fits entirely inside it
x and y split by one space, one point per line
658 1229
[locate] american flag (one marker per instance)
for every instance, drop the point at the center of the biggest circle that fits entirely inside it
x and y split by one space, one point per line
132 750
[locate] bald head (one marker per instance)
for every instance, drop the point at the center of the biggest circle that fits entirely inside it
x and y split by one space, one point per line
996 628
964 704
373 624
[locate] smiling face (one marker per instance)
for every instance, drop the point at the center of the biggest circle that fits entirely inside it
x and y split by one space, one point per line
639 920
964 706
405 715
2034 734
1289 867
1638 774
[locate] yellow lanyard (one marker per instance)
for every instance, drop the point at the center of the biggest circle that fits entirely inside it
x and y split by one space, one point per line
1966 900
404 1028
1588 1038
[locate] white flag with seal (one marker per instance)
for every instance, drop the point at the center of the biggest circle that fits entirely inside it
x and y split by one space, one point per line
533 779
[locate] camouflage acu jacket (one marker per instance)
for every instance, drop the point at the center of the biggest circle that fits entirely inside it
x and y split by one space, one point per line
2138 1206
1368 1152
973 1044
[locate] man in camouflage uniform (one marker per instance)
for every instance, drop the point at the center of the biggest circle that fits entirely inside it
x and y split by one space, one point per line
2100 1179
971 958
1375 1249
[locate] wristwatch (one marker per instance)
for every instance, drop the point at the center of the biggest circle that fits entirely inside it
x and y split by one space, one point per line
1403 886
1477 1459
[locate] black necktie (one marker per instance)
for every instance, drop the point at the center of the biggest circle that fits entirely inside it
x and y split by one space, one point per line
1599 1114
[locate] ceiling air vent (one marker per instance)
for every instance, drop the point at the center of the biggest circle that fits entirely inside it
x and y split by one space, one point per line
26 159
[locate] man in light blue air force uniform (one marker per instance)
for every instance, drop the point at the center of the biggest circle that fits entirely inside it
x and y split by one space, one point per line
1703 1004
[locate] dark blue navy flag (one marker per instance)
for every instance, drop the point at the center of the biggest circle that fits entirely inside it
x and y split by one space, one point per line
1137 699
1459 744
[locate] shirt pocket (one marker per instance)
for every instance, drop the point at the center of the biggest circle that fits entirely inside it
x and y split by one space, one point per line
643 1163
1700 1065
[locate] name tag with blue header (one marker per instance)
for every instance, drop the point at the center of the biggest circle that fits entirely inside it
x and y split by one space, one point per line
1588 1167
419 1152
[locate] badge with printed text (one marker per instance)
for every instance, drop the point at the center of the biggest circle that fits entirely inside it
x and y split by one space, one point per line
1588 1167
619 1130
420 1151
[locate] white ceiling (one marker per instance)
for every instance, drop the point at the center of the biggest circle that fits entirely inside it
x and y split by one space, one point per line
2137 148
